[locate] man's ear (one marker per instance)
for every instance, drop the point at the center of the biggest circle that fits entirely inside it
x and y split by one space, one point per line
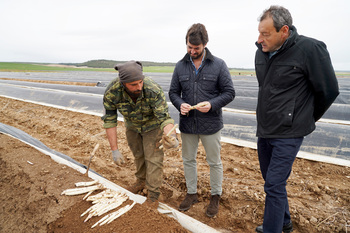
285 31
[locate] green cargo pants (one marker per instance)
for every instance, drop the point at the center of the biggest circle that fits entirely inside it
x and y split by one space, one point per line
148 158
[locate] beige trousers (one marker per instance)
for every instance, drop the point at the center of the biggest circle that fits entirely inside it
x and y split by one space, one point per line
148 158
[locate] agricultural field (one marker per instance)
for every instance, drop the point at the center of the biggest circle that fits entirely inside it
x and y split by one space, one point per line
39 67
319 195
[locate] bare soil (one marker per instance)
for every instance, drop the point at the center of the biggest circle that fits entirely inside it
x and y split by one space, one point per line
30 200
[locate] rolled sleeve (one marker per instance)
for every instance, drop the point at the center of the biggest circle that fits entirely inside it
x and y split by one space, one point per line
110 118
108 125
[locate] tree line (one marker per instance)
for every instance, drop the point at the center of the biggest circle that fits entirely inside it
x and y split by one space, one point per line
102 63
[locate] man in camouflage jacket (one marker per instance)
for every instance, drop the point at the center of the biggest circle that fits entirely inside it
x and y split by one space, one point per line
142 103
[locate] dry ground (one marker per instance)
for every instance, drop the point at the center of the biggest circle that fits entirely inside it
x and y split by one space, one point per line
319 193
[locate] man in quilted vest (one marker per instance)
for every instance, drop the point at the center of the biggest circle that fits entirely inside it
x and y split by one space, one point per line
201 85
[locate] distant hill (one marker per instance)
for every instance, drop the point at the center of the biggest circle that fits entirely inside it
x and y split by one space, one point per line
102 63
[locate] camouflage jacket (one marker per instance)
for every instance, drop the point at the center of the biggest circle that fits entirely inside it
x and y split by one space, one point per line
149 112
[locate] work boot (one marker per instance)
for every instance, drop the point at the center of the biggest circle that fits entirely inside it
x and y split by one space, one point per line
189 200
152 200
286 228
137 187
213 207
153 196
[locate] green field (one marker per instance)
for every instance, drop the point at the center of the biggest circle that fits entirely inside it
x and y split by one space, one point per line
40 67
32 67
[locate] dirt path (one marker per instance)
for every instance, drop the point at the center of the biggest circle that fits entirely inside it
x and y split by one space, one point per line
319 193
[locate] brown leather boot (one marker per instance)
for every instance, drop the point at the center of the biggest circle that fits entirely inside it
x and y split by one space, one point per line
152 200
213 207
189 200
137 187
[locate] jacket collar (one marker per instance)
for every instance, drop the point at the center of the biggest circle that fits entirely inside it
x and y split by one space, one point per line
291 39
288 43
208 56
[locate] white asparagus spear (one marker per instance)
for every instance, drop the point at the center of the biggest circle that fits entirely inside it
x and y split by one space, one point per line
105 205
125 209
101 220
111 206
198 105
109 200
106 198
112 216
104 195
77 191
87 195
86 211
93 211
88 183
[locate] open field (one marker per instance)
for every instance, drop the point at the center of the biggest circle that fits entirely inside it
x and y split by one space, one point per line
33 67
319 193
37 67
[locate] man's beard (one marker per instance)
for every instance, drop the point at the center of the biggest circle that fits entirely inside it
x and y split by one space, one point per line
197 56
133 94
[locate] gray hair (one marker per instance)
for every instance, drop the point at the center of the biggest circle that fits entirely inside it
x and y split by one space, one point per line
280 16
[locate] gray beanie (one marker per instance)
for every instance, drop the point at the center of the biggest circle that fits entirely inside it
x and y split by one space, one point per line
130 71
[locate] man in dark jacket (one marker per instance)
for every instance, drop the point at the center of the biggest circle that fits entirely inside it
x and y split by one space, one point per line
201 85
297 84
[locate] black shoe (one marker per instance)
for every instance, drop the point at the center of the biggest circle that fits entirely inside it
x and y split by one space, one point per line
190 199
286 228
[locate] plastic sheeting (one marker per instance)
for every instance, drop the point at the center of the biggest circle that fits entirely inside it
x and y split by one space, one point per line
26 138
187 222
331 137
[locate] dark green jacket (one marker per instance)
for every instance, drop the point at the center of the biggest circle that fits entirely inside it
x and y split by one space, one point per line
148 113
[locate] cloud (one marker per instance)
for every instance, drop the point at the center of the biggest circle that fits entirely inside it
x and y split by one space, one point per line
154 30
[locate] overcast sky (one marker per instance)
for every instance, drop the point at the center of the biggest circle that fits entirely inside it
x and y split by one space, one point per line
60 31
